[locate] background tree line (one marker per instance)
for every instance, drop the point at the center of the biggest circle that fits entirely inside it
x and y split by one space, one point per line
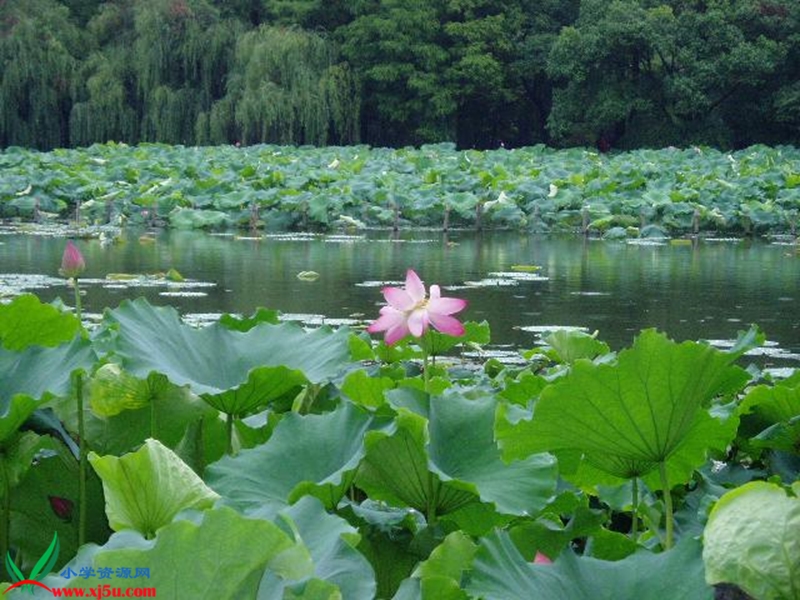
617 73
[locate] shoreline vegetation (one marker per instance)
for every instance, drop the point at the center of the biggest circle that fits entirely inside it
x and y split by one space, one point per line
641 193
482 74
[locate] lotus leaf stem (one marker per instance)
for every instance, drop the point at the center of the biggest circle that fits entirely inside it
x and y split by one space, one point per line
229 432
81 463
635 508
5 518
667 505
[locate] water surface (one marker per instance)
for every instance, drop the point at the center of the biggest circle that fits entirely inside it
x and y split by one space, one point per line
691 290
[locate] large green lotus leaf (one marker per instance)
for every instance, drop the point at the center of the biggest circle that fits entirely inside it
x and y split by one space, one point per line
331 543
25 321
216 554
311 454
46 501
752 539
396 468
38 371
169 414
463 453
113 391
34 375
236 371
145 489
499 572
627 417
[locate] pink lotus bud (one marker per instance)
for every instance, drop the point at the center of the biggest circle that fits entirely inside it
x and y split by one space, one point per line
62 507
541 559
72 263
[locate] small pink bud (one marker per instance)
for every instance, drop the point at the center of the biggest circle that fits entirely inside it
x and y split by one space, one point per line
72 263
62 507
541 559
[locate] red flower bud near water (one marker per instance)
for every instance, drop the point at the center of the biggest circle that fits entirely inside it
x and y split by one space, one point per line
61 507
72 263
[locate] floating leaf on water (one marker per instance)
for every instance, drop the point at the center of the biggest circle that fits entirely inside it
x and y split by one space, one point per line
147 239
308 275
526 268
122 276
174 275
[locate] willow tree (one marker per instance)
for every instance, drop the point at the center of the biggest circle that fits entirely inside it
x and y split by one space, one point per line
181 54
105 108
39 50
287 87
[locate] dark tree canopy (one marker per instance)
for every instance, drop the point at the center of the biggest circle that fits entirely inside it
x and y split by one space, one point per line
480 73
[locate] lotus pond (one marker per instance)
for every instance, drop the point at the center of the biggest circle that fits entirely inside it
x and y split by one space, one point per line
523 285
255 458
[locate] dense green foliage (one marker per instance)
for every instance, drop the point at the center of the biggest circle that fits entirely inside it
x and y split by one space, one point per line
650 193
255 459
624 74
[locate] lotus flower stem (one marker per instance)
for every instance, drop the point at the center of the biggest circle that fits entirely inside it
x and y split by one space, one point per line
426 372
5 518
667 505
635 508
81 460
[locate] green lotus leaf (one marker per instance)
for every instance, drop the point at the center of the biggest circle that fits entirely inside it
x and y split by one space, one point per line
192 218
427 463
628 417
752 539
772 412
46 501
473 462
34 375
170 413
365 390
331 545
26 321
237 372
113 391
38 372
570 345
216 554
396 467
499 572
440 576
145 489
312 454
436 343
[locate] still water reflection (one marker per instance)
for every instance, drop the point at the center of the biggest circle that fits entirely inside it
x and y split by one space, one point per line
709 289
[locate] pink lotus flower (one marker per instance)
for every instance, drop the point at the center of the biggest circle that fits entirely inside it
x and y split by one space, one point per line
410 311
541 559
72 263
